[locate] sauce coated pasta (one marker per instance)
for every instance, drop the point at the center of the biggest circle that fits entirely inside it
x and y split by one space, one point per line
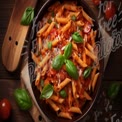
67 65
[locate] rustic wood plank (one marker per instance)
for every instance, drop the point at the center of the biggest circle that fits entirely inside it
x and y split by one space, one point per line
15 36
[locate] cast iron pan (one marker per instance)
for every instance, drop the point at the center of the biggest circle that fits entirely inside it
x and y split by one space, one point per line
45 108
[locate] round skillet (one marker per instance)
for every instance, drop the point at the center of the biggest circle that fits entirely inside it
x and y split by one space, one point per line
44 107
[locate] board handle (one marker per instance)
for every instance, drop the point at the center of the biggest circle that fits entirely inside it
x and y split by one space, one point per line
15 35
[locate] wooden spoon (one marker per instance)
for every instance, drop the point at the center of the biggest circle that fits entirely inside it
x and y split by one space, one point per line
15 35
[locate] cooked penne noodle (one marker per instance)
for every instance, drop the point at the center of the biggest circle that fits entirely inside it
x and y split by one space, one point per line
35 58
86 95
53 105
91 55
57 99
62 38
75 110
66 27
44 60
65 115
49 29
74 89
87 17
37 79
95 81
79 61
43 29
70 7
63 83
74 46
55 42
62 20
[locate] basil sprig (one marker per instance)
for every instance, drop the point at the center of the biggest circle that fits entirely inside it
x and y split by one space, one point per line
87 72
113 90
71 69
58 62
68 50
77 37
23 99
47 92
28 16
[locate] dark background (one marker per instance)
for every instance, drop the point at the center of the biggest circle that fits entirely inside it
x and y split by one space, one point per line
104 108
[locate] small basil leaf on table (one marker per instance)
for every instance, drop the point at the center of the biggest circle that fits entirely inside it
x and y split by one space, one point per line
113 90
58 62
28 16
87 72
23 99
71 69
68 50
77 37
47 92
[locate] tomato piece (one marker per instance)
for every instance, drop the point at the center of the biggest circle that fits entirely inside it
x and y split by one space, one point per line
96 2
5 109
110 10
87 27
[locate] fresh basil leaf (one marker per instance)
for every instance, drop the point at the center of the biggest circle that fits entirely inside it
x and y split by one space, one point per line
49 21
77 37
63 93
23 99
58 62
47 92
73 17
49 45
68 50
113 90
71 69
53 14
87 72
28 16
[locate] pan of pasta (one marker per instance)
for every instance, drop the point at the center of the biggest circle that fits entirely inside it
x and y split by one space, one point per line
67 69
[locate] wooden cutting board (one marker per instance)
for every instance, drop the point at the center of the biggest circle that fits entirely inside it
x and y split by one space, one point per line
15 35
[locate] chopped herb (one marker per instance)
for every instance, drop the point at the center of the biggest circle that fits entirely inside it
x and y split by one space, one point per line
73 17
49 21
49 45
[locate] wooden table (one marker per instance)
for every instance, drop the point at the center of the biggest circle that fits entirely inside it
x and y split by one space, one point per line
104 109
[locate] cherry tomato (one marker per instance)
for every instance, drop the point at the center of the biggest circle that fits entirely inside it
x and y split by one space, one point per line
87 27
110 10
5 109
96 2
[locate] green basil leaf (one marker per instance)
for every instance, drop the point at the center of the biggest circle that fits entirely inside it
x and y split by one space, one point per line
87 72
68 50
28 16
49 45
53 14
63 93
23 99
77 37
73 17
49 21
113 90
71 69
58 62
47 92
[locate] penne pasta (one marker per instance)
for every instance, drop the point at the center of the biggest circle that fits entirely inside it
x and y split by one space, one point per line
79 61
64 50
53 105
75 110
94 81
63 83
66 27
65 115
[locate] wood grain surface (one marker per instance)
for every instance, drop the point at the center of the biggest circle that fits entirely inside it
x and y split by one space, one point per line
15 35
101 111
